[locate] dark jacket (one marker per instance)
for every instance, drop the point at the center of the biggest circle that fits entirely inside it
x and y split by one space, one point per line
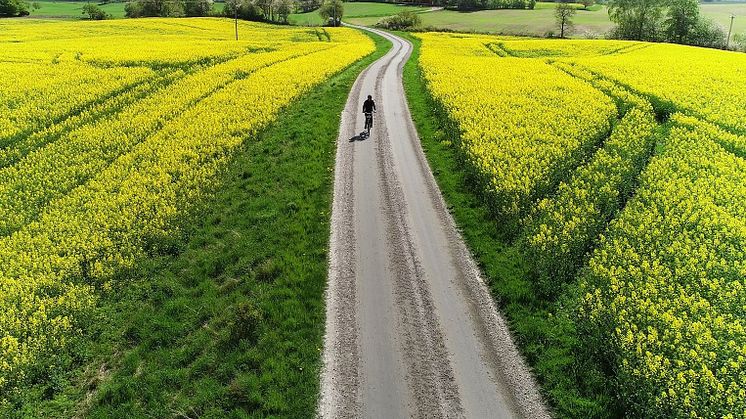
369 106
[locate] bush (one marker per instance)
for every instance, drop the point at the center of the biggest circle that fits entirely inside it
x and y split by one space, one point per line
11 8
707 33
332 11
401 21
198 7
490 4
154 8
739 42
246 10
94 12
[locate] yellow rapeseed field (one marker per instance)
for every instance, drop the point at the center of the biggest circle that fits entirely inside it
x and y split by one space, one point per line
109 130
627 162
523 122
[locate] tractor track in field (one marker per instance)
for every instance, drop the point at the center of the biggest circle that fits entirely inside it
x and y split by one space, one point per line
411 329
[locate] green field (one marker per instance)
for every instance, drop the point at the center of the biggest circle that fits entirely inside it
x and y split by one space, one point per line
367 11
72 9
593 23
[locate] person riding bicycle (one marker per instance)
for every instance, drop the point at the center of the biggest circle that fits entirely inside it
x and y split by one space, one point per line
369 106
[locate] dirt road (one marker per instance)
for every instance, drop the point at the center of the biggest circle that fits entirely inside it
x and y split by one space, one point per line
411 329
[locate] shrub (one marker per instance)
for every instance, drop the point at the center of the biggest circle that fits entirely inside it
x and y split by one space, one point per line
332 11
198 7
707 33
401 21
11 8
94 12
154 8
739 42
246 10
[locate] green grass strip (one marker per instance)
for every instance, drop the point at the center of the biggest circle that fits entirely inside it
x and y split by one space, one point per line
226 320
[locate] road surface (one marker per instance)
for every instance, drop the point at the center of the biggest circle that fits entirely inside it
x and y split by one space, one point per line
411 329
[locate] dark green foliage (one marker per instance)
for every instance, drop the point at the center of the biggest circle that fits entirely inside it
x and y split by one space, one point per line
332 11
306 6
11 8
225 319
259 10
94 12
681 19
676 21
243 9
706 33
637 19
469 5
198 7
401 21
154 8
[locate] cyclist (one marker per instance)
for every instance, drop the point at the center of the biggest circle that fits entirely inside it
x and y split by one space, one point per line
369 106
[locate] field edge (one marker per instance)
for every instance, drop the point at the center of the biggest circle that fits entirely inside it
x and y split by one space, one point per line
161 313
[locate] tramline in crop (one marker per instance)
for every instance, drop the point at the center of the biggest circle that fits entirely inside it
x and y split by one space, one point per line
626 163
83 195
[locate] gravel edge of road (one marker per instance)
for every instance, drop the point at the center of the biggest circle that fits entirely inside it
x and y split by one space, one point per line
341 355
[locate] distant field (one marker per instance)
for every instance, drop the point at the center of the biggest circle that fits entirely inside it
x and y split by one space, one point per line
72 9
721 13
540 21
368 11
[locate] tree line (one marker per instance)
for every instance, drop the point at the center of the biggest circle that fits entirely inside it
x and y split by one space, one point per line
675 21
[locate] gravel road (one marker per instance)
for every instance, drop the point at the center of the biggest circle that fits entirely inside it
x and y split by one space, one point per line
411 328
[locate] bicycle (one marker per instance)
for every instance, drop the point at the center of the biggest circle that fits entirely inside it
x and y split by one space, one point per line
368 122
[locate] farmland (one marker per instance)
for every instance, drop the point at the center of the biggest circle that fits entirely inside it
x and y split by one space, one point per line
619 252
111 132
72 9
591 23
354 11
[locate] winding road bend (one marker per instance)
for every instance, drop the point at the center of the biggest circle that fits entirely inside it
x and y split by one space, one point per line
411 329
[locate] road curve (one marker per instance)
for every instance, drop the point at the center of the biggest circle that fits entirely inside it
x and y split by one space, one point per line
411 329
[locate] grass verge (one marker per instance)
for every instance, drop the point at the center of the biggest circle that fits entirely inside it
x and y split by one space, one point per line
225 320
573 381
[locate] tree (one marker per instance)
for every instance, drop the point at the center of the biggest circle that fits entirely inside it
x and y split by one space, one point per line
246 10
94 12
681 20
587 3
283 8
707 33
332 10
637 19
11 8
266 7
197 7
563 14
154 8
308 5
401 21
